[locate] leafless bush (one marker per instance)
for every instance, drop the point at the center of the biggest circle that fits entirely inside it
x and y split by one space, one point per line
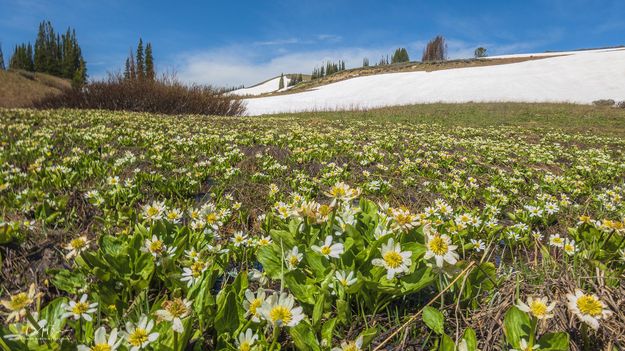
604 102
166 95
436 50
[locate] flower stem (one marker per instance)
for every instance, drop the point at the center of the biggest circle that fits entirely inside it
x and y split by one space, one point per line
276 334
534 324
175 341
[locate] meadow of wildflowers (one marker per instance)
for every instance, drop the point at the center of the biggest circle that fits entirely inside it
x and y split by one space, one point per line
124 231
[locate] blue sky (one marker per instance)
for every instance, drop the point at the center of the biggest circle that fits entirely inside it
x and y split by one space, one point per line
242 42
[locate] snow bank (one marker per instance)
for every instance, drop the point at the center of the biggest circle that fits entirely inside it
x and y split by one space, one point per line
577 77
269 86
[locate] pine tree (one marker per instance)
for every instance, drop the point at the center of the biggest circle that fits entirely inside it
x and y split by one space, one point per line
80 76
140 61
149 63
2 67
281 83
480 52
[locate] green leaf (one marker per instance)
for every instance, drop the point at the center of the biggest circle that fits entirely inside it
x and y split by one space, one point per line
269 257
227 319
516 326
318 310
368 335
304 338
327 330
434 319
554 341
68 281
52 313
447 343
471 339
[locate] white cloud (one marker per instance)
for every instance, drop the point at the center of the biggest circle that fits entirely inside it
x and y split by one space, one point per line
242 65
259 61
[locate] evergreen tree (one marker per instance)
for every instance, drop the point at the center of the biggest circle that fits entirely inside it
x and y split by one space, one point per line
140 62
480 52
149 62
28 58
22 58
281 83
400 55
365 62
2 67
80 76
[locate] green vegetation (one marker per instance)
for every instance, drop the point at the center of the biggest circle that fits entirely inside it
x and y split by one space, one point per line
435 227
400 55
54 54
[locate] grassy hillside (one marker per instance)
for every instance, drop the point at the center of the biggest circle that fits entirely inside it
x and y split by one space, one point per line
567 117
20 88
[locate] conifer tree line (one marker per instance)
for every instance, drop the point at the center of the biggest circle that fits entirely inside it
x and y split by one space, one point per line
2 67
295 79
53 53
400 55
141 65
330 68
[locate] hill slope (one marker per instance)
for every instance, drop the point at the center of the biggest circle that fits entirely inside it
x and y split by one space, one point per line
268 86
578 77
21 88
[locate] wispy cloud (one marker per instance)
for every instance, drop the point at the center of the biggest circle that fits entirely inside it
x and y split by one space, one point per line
278 42
235 65
244 64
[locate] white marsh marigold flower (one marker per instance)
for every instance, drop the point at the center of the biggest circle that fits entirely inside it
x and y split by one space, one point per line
537 307
174 311
329 249
280 310
588 308
439 246
393 259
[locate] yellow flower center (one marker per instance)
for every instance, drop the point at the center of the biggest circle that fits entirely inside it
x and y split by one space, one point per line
293 260
393 259
152 211
156 246
19 301
245 346
325 250
172 215
211 218
138 337
338 191
101 347
77 243
263 242
351 347
176 307
557 240
255 305
280 313
589 305
80 308
438 246
403 219
538 308
197 268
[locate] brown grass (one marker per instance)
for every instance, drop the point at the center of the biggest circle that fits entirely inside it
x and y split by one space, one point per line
21 89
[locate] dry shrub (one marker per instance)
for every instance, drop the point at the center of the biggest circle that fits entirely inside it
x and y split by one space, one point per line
436 50
166 95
